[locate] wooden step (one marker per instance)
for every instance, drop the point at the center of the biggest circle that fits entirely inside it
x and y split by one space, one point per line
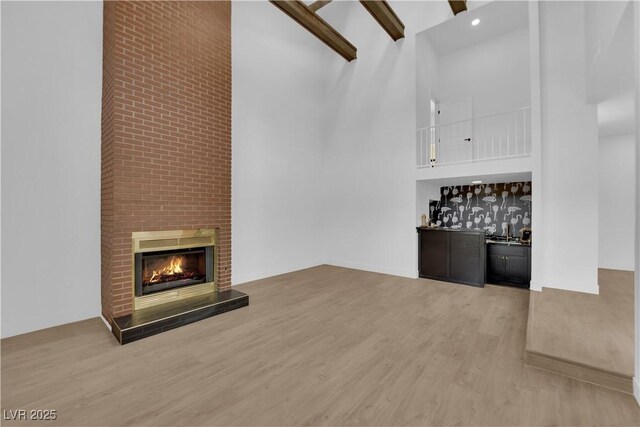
579 371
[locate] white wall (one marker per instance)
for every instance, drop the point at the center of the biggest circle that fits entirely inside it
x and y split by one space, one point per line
425 192
426 79
602 18
610 71
616 201
494 73
278 103
569 152
636 72
538 249
370 144
51 103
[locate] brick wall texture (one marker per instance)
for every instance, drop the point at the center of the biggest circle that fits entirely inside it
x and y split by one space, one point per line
166 131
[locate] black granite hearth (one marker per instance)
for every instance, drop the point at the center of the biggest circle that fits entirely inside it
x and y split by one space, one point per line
154 320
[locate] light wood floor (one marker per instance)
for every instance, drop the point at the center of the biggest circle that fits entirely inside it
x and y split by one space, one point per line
327 346
594 330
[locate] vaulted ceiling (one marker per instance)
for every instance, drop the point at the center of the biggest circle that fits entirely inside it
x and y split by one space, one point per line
305 15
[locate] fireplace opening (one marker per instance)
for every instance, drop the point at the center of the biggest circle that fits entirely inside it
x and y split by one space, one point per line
163 270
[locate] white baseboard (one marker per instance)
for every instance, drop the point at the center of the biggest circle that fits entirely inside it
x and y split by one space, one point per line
575 286
257 275
13 327
105 322
241 278
374 269
636 389
536 285
612 266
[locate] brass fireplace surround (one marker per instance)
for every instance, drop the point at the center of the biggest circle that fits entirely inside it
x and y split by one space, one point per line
151 241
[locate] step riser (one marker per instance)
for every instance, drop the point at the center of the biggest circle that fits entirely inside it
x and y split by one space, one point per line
580 372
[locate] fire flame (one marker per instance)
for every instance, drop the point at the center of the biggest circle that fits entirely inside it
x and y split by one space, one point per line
174 267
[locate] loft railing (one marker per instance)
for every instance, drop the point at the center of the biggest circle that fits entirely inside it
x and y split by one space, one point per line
497 136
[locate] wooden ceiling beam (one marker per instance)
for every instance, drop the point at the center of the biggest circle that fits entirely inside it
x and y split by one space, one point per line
318 4
458 6
386 17
303 15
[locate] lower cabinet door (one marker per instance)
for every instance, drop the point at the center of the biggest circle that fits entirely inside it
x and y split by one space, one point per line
467 261
495 267
517 268
434 254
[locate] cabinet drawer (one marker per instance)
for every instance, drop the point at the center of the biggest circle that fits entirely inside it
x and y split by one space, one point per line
502 249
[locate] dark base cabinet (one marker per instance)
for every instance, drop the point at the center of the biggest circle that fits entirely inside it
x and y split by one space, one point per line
509 265
452 256
467 258
433 259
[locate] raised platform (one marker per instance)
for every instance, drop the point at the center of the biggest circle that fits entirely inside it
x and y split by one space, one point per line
584 336
154 320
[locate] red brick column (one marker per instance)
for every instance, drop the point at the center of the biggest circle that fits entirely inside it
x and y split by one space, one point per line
166 131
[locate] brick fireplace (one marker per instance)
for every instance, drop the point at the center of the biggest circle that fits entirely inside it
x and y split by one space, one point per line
166 133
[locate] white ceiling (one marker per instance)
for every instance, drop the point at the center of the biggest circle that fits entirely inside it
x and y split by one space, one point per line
496 18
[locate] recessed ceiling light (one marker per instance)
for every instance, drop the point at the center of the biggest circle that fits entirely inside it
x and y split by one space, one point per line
476 182
475 22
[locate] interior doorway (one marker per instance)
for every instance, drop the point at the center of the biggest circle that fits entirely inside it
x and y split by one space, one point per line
454 131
